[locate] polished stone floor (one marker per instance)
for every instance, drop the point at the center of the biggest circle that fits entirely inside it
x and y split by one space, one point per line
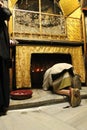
49 117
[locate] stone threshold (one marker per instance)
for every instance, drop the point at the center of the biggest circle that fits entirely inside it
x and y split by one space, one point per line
42 98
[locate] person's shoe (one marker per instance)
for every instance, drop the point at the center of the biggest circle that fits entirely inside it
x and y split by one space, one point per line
3 111
75 97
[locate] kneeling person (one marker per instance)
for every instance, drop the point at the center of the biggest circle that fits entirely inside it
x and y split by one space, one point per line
60 78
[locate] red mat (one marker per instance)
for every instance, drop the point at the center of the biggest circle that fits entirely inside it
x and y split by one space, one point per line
21 94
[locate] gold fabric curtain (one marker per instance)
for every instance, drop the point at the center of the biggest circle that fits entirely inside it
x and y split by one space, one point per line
23 58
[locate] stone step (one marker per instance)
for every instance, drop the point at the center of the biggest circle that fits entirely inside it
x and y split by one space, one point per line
41 97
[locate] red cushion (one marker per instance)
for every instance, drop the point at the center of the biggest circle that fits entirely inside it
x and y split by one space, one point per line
21 94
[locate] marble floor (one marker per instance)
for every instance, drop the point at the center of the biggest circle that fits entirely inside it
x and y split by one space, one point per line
49 117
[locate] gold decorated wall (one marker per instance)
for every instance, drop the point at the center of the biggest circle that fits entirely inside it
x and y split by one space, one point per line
23 57
73 24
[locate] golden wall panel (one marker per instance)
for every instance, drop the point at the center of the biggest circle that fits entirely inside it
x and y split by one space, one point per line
68 6
11 4
23 57
76 14
74 29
